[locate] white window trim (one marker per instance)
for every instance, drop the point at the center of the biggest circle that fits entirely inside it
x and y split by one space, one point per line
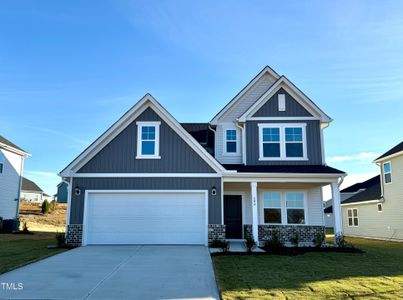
352 217
224 152
140 125
377 208
390 172
283 206
282 141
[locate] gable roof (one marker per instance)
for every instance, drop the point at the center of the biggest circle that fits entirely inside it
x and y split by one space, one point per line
201 133
144 103
28 185
361 185
265 70
295 92
4 143
396 150
373 192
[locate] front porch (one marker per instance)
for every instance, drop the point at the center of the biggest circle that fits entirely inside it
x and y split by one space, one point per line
288 207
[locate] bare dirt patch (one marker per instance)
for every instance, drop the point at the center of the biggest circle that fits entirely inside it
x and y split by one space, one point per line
53 221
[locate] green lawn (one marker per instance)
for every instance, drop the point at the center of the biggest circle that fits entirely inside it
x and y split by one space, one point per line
376 274
17 250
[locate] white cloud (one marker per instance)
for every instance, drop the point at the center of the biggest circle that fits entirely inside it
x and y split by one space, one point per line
360 157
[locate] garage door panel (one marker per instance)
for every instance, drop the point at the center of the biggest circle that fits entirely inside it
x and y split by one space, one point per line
146 218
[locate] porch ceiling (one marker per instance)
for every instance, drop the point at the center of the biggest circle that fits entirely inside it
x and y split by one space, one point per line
272 185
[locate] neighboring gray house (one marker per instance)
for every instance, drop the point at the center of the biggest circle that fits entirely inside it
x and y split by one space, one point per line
257 165
61 195
11 169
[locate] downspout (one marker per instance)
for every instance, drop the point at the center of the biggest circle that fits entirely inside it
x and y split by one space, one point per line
323 126
243 142
17 213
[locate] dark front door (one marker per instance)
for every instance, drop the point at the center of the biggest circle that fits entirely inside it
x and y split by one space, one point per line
233 216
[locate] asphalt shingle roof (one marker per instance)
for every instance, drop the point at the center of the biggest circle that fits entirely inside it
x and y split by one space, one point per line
28 185
373 192
313 169
361 185
394 150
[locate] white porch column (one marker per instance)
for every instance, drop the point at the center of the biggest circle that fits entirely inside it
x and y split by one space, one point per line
338 222
253 187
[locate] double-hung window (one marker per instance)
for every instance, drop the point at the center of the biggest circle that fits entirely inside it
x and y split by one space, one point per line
1 162
281 207
148 136
231 141
282 141
352 215
387 173
295 207
272 207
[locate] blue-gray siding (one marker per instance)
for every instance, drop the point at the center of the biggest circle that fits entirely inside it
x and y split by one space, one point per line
119 156
214 203
62 193
293 108
314 146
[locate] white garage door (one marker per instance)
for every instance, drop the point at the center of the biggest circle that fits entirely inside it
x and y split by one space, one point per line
145 218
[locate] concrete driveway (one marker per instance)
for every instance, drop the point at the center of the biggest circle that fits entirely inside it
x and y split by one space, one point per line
116 272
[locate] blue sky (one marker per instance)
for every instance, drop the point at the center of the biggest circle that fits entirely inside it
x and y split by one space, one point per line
69 69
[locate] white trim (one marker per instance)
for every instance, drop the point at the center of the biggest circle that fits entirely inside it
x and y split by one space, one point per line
361 202
87 192
282 142
283 206
281 118
390 172
14 150
237 141
222 202
388 157
69 194
267 69
130 116
243 195
156 125
127 175
291 89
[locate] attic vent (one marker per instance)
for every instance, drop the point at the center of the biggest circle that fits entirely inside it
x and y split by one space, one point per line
281 102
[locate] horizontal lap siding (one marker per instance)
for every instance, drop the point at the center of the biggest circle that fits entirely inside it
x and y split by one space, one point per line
315 207
119 156
313 144
214 203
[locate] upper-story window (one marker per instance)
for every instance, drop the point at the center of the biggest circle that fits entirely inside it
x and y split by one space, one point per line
1 162
148 139
387 172
282 142
231 141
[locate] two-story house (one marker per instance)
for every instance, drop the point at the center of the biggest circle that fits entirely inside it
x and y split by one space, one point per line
376 211
11 169
257 166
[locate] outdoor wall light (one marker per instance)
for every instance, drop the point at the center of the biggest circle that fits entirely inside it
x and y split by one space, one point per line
213 191
77 191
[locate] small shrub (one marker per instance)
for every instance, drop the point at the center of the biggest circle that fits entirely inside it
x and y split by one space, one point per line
249 244
45 207
52 205
340 241
25 227
222 244
275 242
61 239
295 239
319 239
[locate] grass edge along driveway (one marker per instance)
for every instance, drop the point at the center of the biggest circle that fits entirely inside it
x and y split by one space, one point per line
376 274
17 250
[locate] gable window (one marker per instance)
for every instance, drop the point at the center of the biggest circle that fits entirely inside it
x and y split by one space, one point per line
387 173
282 142
295 208
272 207
148 137
281 102
352 215
231 141
1 162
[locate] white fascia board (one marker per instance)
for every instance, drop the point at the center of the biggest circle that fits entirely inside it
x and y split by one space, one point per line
281 177
361 202
14 150
290 88
267 69
388 157
124 121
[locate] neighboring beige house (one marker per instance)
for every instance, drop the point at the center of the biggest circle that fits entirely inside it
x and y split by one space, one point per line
377 211
31 192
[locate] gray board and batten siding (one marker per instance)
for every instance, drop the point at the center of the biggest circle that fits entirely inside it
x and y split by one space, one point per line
119 156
